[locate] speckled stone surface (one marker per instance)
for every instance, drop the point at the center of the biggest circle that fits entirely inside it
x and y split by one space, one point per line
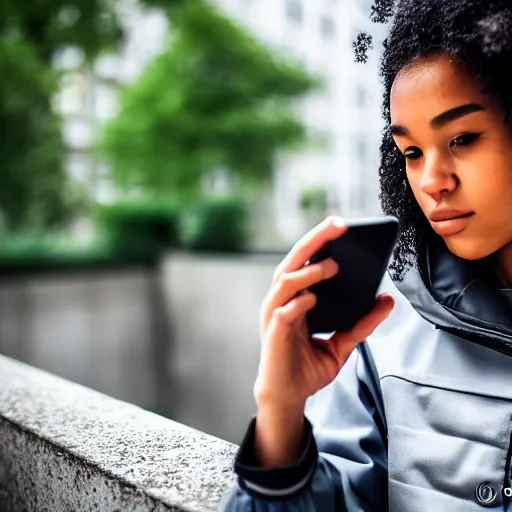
65 448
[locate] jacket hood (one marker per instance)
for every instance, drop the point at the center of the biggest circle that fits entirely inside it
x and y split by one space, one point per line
458 296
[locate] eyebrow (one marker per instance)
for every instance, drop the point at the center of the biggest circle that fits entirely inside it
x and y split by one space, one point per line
442 119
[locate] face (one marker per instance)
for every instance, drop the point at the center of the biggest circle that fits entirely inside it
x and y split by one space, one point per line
458 154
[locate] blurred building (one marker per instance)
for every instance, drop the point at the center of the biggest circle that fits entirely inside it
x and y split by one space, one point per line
317 33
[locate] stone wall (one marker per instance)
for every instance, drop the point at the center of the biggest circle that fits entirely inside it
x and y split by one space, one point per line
64 447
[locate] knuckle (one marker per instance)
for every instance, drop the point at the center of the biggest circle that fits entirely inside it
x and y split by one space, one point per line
263 315
277 273
285 281
279 270
279 315
256 387
298 244
264 304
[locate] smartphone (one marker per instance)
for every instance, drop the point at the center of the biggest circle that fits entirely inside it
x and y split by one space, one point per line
362 254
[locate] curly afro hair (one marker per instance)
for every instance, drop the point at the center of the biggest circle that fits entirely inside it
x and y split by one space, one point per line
476 32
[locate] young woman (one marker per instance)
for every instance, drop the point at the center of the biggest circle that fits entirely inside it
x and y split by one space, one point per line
419 416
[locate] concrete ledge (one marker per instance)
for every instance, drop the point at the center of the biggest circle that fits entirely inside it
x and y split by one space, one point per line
66 448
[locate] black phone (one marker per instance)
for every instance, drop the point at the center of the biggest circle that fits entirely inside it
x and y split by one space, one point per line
362 254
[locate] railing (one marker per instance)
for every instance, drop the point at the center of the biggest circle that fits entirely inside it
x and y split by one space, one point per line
64 447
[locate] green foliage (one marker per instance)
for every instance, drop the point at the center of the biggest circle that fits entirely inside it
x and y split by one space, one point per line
32 183
26 248
140 228
134 231
26 254
50 25
214 99
34 191
219 224
314 197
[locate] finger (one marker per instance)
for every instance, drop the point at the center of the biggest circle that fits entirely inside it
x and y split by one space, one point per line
383 306
289 285
344 342
286 316
309 244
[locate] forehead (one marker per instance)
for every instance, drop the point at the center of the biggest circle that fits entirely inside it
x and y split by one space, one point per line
433 85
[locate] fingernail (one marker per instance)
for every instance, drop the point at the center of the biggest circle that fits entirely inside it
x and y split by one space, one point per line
338 222
387 297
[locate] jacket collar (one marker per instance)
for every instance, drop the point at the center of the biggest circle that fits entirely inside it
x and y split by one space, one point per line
458 296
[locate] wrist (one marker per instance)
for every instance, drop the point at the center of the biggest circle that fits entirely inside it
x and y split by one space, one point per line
279 413
266 402
279 435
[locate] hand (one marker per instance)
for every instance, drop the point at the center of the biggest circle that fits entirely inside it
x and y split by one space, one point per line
294 366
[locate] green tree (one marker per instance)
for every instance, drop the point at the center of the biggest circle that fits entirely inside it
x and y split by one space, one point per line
34 192
30 141
215 99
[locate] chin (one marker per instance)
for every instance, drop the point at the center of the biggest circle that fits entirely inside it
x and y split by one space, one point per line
471 248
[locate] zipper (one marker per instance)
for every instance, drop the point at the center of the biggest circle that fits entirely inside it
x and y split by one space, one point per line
494 328
501 346
496 338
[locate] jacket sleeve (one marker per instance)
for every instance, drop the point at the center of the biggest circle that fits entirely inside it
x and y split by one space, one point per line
343 461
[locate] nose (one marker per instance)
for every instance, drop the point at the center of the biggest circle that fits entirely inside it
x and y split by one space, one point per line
438 177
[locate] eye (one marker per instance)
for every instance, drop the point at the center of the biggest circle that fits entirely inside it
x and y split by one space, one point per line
464 139
412 153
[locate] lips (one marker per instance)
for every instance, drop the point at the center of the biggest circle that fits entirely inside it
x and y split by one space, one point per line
448 214
449 222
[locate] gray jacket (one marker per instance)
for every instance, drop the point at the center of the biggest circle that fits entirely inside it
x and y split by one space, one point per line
420 416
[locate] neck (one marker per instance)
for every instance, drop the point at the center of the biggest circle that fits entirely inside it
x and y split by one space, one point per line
504 266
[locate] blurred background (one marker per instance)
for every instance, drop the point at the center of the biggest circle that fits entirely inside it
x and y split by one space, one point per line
158 159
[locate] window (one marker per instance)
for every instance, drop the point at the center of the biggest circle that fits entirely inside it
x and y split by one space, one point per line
361 96
327 27
294 11
362 151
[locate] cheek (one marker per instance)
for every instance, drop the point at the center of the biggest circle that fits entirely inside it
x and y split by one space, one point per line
489 193
491 186
496 168
414 179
